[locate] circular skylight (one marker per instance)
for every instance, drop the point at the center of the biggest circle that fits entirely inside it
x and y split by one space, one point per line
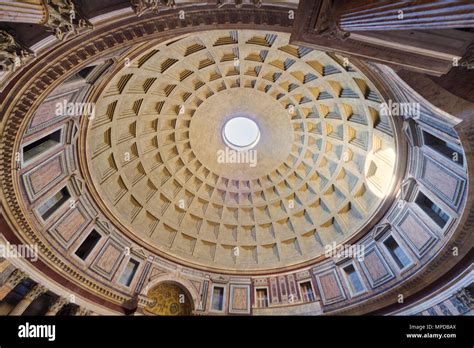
241 133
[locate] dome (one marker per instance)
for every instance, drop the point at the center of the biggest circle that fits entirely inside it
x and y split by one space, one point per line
323 163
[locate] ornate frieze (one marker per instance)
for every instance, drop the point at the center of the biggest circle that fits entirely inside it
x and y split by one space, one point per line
141 7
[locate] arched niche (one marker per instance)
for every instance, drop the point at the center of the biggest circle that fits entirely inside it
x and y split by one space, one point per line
169 299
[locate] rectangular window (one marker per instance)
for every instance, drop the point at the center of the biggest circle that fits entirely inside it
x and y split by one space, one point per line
444 148
218 298
88 244
42 145
48 208
354 279
129 272
397 253
433 211
262 298
307 292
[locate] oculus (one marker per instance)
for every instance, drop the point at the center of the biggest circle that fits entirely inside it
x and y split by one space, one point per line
241 133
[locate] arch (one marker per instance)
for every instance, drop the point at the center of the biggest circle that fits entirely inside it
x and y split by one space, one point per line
184 285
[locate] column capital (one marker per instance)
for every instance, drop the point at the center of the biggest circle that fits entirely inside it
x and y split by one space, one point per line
57 304
4 264
36 292
12 53
15 278
63 19
81 311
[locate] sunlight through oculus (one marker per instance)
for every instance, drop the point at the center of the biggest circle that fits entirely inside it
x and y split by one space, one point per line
241 133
